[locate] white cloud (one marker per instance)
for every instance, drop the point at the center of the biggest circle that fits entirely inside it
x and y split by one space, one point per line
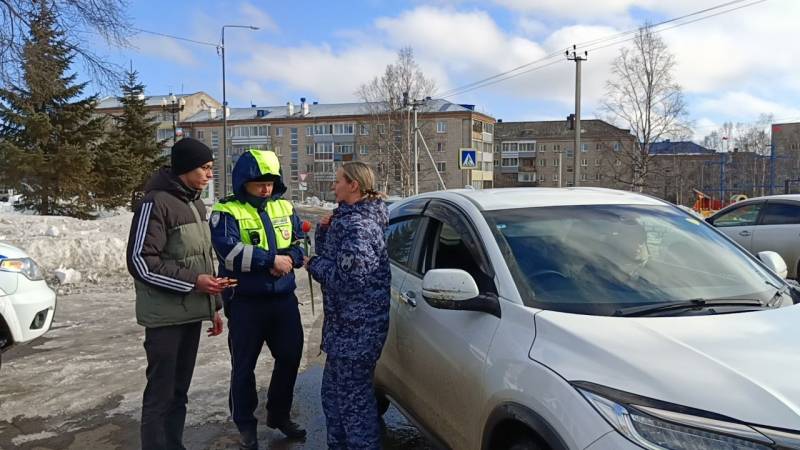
257 17
744 107
164 48
318 71
252 92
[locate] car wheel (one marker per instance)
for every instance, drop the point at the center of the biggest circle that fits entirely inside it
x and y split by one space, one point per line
383 403
524 443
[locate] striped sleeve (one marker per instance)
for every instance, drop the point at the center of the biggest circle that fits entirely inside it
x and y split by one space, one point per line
147 240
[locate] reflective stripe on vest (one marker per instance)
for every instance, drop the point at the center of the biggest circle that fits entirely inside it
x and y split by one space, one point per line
251 226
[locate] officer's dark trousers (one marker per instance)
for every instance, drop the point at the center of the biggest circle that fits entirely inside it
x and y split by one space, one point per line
171 354
348 400
252 322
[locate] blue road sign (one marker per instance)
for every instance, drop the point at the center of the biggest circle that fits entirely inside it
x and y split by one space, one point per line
468 159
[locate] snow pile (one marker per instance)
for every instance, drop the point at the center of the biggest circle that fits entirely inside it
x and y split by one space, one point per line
70 249
317 203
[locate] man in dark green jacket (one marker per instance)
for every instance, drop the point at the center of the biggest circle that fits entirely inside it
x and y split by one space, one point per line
171 260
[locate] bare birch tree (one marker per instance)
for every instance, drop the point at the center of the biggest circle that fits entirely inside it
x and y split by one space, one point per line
385 100
643 96
81 21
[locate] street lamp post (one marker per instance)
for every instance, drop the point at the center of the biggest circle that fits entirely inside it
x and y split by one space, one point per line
174 106
223 159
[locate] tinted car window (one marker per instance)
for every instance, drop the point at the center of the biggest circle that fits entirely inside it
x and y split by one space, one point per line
400 239
597 259
780 214
739 217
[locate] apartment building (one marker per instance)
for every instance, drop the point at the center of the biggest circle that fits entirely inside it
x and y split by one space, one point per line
167 110
785 168
542 153
313 139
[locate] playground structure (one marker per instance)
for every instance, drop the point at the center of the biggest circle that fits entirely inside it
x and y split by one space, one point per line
707 205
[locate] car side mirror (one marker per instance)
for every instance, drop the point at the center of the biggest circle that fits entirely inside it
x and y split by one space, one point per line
449 284
455 289
774 262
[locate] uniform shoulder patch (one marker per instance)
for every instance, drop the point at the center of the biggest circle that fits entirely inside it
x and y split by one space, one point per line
215 218
346 261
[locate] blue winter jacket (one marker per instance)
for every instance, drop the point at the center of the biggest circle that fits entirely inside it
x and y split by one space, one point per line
257 282
353 268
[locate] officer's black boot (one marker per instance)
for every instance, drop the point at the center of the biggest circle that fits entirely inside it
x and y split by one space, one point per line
248 439
290 429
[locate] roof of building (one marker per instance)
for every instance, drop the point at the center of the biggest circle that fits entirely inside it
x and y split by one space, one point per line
318 110
555 129
679 148
530 197
150 100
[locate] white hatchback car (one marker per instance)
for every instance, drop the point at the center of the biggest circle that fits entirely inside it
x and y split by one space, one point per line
584 318
765 223
27 304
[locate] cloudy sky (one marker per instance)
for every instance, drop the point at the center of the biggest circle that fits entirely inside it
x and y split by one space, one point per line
733 66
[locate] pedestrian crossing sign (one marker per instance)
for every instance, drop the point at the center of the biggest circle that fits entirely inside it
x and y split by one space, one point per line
468 159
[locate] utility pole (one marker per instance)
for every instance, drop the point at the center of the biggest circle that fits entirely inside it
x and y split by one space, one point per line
414 104
578 59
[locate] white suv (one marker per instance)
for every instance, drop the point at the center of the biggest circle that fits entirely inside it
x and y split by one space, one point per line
27 304
585 318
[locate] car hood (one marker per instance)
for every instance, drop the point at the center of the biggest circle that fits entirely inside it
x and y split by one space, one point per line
743 366
9 251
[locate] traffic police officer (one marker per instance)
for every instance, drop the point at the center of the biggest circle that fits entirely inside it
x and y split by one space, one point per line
254 233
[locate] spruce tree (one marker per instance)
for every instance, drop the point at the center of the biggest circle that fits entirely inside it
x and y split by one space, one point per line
48 139
132 152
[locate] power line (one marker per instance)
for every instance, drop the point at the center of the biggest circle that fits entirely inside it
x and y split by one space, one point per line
592 45
175 37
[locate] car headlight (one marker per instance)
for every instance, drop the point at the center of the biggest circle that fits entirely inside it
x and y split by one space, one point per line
658 429
25 266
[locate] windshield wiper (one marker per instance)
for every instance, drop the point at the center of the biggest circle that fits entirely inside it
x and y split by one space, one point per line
696 303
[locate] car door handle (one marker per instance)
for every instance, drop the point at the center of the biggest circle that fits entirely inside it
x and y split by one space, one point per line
744 233
409 298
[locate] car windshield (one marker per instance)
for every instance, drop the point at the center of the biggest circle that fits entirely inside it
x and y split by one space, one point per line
599 259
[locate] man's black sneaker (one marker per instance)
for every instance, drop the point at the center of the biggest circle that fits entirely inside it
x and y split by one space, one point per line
248 440
290 429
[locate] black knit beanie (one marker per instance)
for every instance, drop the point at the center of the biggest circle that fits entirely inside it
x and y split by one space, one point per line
189 154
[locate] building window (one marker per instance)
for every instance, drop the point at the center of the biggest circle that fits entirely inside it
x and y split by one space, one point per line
441 126
164 133
597 176
214 139
570 153
344 148
584 147
279 131
542 162
616 146
497 163
583 177
440 147
363 149
584 163
363 129
510 162
509 146
201 135
527 146
381 128
555 177
617 163
343 128
598 146
309 131
310 149
441 166
309 168
597 162
555 162
556 147
542 148
526 177
323 151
